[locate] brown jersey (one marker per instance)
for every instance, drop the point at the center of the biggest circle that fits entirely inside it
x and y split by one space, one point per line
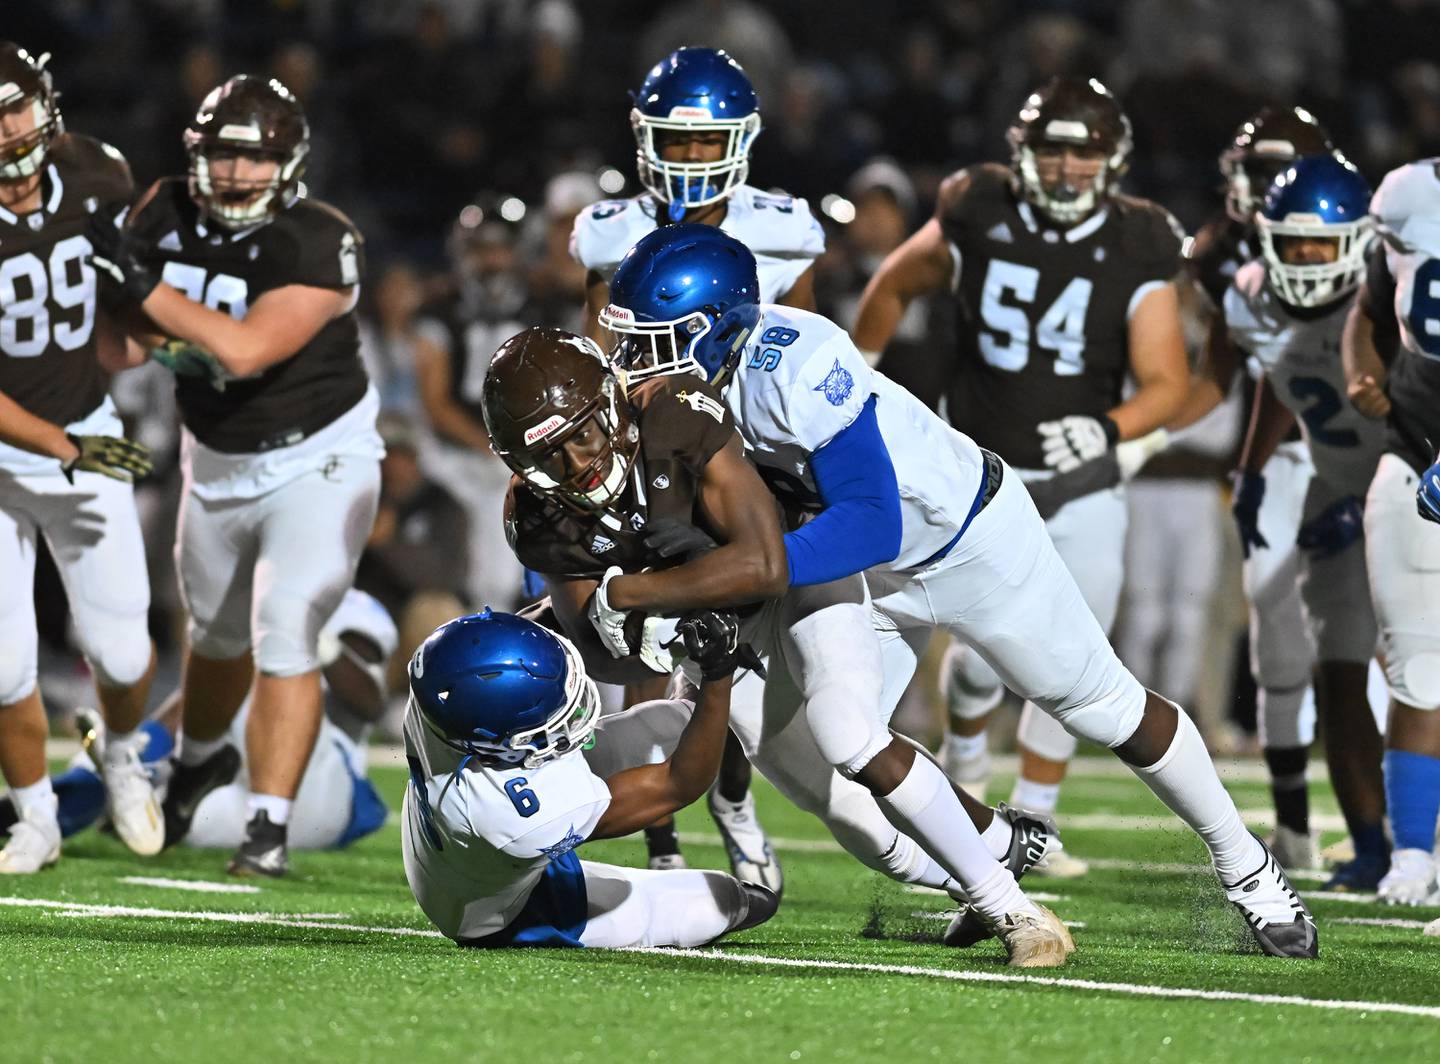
1043 323
308 243
683 423
47 289
1220 248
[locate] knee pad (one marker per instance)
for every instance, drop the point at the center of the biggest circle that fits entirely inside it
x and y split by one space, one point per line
17 670
1108 717
218 642
1415 679
841 680
1042 734
287 632
121 658
968 685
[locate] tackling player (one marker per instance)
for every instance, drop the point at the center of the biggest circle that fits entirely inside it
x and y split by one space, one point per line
695 119
65 473
945 536
500 795
279 451
1398 302
1064 288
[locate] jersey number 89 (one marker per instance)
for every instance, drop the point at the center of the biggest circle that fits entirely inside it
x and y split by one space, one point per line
27 288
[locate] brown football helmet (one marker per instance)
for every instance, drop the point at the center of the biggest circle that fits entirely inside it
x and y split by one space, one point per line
1263 148
23 78
1074 112
547 388
253 117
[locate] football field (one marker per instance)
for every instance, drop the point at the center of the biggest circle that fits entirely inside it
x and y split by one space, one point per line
110 958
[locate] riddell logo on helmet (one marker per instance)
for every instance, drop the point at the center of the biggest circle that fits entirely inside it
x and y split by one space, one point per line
690 112
545 428
619 314
250 134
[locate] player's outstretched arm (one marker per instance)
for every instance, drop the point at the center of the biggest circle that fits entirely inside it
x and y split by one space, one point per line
748 566
921 265
569 599
640 796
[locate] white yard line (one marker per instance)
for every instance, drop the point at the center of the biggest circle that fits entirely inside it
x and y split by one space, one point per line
202 886
1376 921
921 914
1134 989
1033 895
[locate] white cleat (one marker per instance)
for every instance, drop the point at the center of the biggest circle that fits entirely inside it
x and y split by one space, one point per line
668 862
1293 849
1432 928
132 803
1411 880
751 859
1035 939
1058 863
1278 919
34 842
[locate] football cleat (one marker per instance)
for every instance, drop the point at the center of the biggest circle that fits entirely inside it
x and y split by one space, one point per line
1359 875
1294 849
1411 879
130 795
1029 837
761 904
189 784
1277 917
1432 928
34 842
751 859
1035 939
667 862
263 853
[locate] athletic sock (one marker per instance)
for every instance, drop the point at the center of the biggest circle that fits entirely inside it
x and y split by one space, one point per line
194 751
1036 797
1185 780
1370 842
997 837
925 808
1412 793
661 840
1288 786
38 796
118 744
908 863
967 747
275 807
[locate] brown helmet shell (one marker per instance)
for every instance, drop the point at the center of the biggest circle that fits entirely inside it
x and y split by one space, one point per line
1263 147
22 77
1078 112
256 116
543 384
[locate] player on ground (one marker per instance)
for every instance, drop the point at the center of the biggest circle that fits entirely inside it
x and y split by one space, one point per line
500 795
64 472
336 803
695 118
1398 302
280 452
611 483
945 536
1287 311
1064 288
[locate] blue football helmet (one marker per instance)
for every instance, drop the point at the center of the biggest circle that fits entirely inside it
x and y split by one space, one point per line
503 690
694 90
683 300
1319 197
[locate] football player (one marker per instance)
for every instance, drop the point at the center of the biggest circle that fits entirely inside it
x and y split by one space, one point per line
1064 288
612 482
336 803
1286 310
500 795
1397 302
695 118
65 473
945 534
255 283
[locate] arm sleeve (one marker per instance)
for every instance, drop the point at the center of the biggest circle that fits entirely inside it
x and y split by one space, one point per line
860 524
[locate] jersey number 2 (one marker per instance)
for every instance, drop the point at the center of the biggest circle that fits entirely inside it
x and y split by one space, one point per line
1005 341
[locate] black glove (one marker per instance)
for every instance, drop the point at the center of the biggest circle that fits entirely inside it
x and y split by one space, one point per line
712 641
113 456
1249 493
672 538
120 267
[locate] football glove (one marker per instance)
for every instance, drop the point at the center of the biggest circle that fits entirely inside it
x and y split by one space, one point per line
184 359
1076 439
111 456
1334 528
1249 491
121 271
672 538
1427 496
660 650
712 642
607 621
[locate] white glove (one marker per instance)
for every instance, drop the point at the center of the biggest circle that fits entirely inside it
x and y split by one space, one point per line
660 649
1074 440
1131 455
609 622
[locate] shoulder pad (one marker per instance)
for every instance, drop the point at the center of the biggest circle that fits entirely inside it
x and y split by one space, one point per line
1406 192
604 231
1149 233
103 166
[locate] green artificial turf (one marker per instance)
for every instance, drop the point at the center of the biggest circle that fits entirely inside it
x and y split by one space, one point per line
77 985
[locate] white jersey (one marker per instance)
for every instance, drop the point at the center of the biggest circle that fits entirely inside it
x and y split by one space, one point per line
1407 207
474 855
778 229
801 381
1301 357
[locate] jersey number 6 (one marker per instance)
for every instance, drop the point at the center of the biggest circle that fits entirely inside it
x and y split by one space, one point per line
522 797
